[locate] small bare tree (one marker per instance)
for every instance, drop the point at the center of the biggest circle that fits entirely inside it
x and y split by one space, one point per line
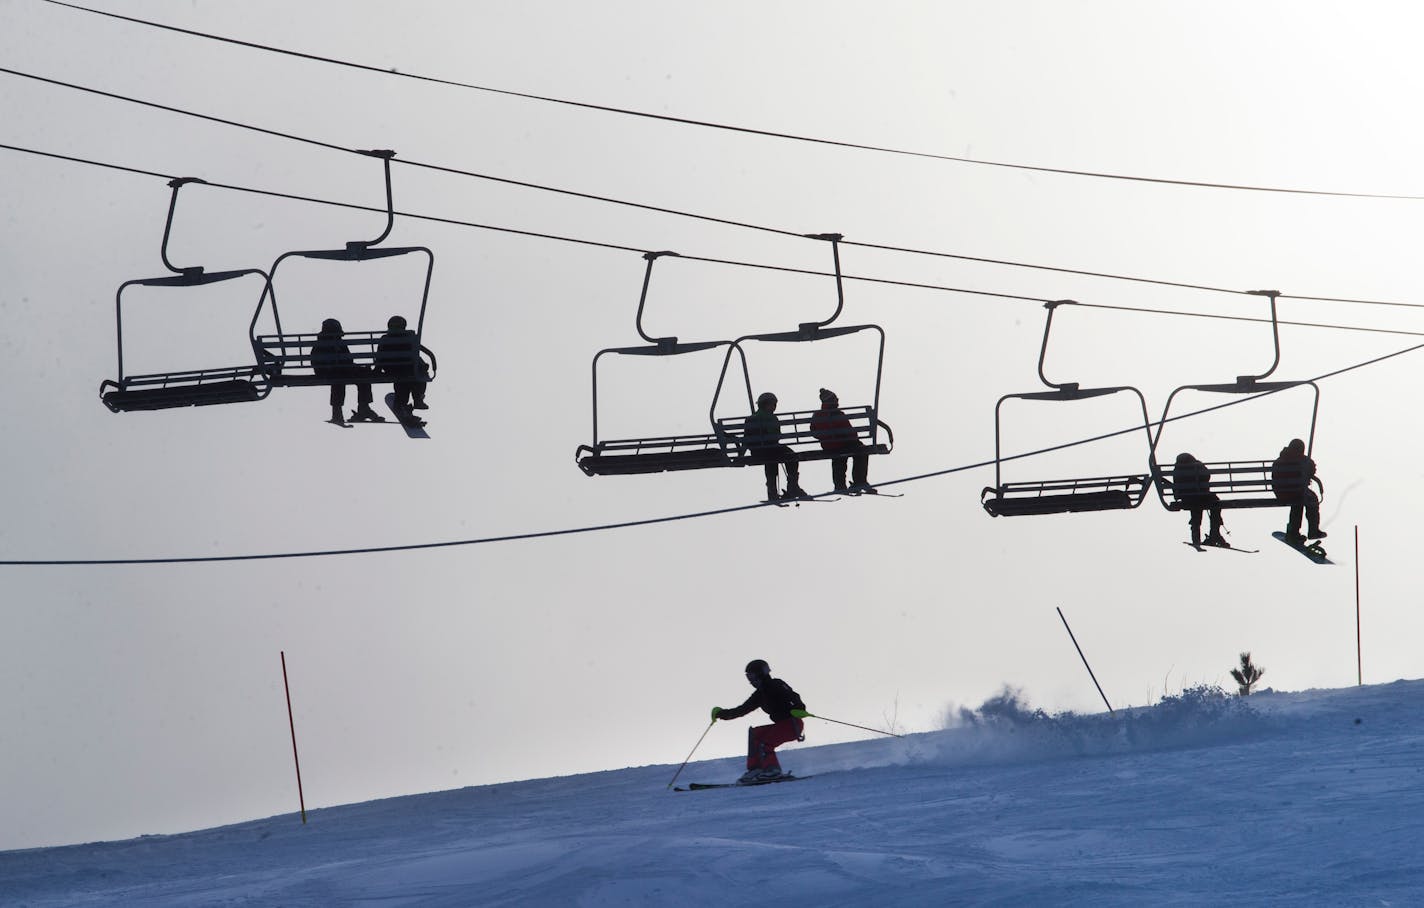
1247 675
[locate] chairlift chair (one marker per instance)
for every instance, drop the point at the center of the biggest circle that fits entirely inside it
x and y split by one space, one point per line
188 387
796 425
286 356
1062 496
656 453
1239 483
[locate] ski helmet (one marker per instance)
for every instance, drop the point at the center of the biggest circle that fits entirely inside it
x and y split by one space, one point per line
758 668
766 397
395 323
331 326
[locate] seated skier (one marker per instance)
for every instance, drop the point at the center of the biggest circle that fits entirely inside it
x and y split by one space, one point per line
763 439
786 710
331 359
1191 486
833 430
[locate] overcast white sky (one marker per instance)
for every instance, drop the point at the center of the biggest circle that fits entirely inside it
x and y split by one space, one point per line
148 698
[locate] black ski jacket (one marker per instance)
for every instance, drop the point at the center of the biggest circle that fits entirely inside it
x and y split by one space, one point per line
398 354
329 355
775 696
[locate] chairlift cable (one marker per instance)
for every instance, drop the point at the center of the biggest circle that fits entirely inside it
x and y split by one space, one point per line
727 127
679 212
730 262
649 521
1264 321
177 110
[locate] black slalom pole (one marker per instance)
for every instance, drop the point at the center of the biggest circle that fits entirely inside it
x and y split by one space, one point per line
853 725
1085 661
691 752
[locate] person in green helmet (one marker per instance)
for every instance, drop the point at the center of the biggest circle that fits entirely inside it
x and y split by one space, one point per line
763 439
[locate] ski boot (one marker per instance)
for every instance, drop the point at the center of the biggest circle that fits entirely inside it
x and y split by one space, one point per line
336 416
364 413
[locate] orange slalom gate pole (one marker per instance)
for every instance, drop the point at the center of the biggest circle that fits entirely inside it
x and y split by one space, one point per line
291 723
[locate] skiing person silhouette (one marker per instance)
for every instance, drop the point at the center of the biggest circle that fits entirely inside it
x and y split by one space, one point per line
786 710
1191 484
763 438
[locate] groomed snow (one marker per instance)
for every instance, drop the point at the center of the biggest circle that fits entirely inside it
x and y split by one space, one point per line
1313 798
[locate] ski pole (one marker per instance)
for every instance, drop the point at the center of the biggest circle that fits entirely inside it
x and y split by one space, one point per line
691 752
853 725
1085 660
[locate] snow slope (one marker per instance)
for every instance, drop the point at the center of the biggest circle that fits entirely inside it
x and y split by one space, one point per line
1313 798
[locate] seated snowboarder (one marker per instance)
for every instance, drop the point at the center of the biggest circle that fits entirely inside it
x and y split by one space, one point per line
398 357
833 430
1191 486
1291 474
787 712
763 439
331 358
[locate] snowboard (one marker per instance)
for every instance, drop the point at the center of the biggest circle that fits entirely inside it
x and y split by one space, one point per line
1312 550
414 426
703 786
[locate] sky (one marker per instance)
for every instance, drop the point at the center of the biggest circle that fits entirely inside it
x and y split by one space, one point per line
148 698
1302 798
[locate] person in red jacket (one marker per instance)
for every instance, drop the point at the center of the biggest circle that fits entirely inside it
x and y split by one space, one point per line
786 710
833 430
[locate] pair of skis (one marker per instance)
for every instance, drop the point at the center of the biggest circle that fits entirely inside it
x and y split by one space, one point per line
703 786
829 497
1203 546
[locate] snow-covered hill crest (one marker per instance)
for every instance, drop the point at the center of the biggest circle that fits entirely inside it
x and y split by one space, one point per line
1302 798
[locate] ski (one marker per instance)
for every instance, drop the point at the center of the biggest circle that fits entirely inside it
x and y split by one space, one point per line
874 493
343 425
796 502
1312 550
1230 548
703 786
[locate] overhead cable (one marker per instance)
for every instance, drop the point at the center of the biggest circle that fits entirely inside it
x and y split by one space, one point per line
716 261
727 127
650 521
665 210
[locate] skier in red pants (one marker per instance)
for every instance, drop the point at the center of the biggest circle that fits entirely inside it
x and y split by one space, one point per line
786 710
